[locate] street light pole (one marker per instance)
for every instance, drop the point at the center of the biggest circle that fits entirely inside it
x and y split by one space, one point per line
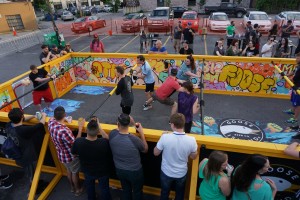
53 23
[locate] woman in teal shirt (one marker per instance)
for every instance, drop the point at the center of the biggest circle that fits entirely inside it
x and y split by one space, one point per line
187 69
215 184
247 182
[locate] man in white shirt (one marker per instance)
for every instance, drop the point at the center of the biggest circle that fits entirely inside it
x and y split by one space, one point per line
267 49
177 147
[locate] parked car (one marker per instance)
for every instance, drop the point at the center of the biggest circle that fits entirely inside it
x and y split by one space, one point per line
228 8
48 17
260 18
218 21
161 19
73 10
67 15
190 16
284 16
59 12
178 11
133 22
108 8
90 23
96 9
86 11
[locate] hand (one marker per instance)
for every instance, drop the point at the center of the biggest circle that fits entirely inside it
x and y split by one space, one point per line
81 123
139 128
190 30
230 170
53 76
272 184
44 115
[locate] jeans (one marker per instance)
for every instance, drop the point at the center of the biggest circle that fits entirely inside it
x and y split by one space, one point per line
103 185
166 183
132 183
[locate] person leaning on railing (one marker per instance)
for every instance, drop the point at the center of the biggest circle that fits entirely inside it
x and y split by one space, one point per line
291 150
234 49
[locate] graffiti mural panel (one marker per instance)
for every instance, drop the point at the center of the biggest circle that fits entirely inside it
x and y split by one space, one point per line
4 99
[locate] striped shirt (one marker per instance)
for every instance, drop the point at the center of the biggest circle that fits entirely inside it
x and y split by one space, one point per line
63 140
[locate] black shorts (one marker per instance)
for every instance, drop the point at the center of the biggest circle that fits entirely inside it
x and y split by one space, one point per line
149 87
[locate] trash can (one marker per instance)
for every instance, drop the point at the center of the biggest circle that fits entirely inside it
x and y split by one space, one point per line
153 38
50 39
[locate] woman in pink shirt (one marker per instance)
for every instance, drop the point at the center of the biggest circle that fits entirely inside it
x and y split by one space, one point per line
96 45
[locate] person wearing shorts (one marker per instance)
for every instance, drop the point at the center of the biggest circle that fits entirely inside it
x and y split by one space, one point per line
164 92
63 140
38 78
147 75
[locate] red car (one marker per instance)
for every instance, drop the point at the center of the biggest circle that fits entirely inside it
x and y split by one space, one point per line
133 22
190 16
87 24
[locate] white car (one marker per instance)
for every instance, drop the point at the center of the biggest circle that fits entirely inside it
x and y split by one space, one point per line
284 16
218 21
67 15
108 8
260 18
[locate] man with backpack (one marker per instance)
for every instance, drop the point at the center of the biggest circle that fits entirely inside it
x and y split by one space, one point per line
25 139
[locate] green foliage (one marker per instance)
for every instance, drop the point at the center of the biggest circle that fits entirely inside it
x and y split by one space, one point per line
202 2
275 6
168 3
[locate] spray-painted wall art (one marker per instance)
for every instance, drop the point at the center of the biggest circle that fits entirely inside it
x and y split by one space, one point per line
68 104
4 99
90 90
225 76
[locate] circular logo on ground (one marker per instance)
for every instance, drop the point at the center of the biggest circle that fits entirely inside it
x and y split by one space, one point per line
241 129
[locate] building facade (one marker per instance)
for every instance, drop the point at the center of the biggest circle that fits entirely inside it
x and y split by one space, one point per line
18 15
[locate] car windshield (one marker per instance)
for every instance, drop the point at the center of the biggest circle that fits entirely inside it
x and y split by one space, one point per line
159 13
189 16
66 13
220 17
80 20
258 17
130 16
293 16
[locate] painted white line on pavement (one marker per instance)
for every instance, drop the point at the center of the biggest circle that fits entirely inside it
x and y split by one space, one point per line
127 44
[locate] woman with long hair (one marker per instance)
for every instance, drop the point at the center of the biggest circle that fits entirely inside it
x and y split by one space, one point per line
273 32
215 184
188 104
187 69
283 50
96 45
250 50
234 49
248 183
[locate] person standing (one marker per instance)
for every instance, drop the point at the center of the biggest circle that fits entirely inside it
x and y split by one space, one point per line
145 73
28 137
164 92
176 36
230 30
188 34
46 55
97 45
186 50
124 88
216 183
248 32
38 78
256 36
96 165
287 29
63 140
274 31
158 48
188 105
297 50
176 149
295 97
267 49
126 150
248 183
143 42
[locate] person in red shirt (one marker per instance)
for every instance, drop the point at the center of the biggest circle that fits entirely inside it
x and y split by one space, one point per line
96 45
165 91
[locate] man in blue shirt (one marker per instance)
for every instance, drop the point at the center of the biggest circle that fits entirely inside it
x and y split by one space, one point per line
146 74
158 48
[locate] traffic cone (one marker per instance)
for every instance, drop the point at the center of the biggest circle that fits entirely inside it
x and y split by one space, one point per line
14 32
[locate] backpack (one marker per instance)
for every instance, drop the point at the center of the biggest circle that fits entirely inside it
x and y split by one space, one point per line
10 146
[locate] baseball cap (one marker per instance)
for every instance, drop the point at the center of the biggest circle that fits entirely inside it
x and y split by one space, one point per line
124 119
189 23
174 72
95 35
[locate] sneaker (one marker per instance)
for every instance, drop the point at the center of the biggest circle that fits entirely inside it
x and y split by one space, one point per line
296 127
147 107
292 120
4 177
5 184
289 112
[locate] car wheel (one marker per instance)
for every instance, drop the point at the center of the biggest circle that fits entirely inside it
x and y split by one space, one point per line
90 29
239 14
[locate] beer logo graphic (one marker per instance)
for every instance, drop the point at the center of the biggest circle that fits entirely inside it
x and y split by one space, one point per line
241 129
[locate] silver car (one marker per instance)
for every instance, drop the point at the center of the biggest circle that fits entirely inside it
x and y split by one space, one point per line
67 16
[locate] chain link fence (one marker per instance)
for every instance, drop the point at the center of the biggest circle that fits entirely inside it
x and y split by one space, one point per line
20 43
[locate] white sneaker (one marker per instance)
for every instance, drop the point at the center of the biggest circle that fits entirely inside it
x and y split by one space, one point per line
147 107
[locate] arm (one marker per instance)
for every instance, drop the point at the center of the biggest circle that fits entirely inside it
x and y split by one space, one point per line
47 59
141 132
218 53
225 186
102 132
291 150
189 73
80 128
196 107
156 151
244 51
201 163
120 87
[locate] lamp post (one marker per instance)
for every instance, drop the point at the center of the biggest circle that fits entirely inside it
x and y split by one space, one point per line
53 23
113 3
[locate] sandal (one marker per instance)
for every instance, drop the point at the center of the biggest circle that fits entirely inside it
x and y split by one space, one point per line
77 194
